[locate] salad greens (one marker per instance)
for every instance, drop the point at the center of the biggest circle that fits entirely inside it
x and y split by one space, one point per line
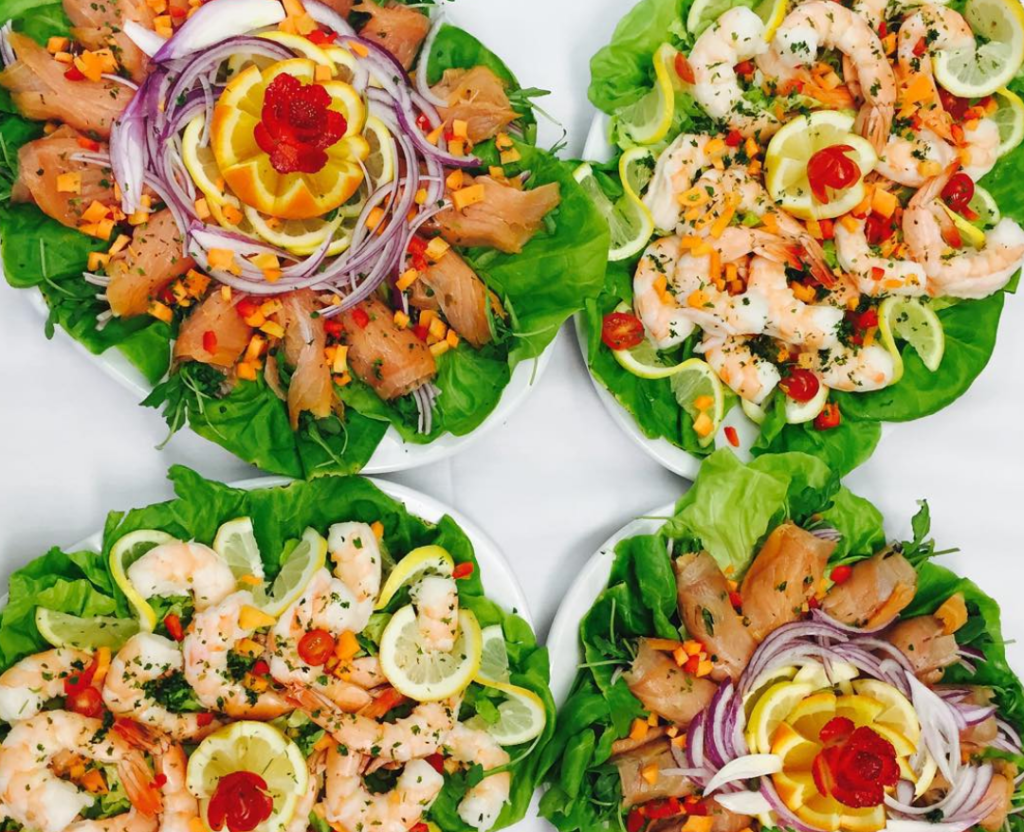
80 583
621 74
729 511
550 280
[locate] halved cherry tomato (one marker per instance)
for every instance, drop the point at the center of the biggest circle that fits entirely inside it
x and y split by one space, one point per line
800 385
683 69
87 702
463 570
172 622
830 167
621 331
841 574
829 418
316 647
958 191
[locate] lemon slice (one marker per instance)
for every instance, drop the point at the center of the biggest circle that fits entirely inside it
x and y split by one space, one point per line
642 361
125 552
63 630
429 675
976 71
799 412
308 557
236 544
1009 118
693 380
984 205
256 747
201 164
299 236
426 560
521 717
912 321
494 656
898 713
300 45
705 12
648 120
628 219
771 709
791 149
380 164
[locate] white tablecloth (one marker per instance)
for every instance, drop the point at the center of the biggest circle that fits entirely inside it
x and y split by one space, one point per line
558 477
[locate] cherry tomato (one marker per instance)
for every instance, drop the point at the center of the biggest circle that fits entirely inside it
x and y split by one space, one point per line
829 418
241 801
86 702
463 570
841 574
316 647
172 622
878 229
800 385
360 316
958 191
621 331
683 69
830 167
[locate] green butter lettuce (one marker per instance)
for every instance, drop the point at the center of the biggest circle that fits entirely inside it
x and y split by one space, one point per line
729 511
80 583
621 73
550 280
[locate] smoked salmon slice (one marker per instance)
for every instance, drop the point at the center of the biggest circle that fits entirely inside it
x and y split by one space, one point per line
876 591
98 25
476 96
140 270
927 646
453 287
392 360
40 162
230 332
304 341
41 92
665 688
506 218
395 27
634 773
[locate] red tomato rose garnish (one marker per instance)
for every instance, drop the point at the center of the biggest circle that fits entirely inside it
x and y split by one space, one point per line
800 385
856 765
621 331
830 167
297 126
241 801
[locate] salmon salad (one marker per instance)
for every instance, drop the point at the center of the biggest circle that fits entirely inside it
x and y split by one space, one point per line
309 657
767 659
814 221
306 223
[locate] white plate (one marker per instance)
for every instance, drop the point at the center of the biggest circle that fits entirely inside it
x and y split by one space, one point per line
564 649
500 582
393 454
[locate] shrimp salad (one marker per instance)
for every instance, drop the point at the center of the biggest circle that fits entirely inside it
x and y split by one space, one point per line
306 223
783 666
810 219
308 657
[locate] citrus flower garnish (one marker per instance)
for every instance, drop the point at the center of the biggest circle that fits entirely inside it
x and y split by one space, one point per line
296 126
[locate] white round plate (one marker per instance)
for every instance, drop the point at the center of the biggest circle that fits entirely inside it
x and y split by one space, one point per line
393 453
564 650
499 580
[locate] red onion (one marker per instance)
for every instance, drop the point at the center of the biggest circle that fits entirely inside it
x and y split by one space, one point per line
6 51
217 21
424 62
326 16
781 810
146 39
747 767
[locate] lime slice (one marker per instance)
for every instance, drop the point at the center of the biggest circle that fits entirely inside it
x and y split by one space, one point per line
771 709
912 321
307 558
201 164
494 657
236 544
969 232
426 560
521 717
976 71
629 221
799 412
984 205
255 747
693 380
1010 120
648 120
705 12
791 149
63 630
429 675
126 551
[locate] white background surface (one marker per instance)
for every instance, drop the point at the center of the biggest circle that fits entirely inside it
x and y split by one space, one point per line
558 477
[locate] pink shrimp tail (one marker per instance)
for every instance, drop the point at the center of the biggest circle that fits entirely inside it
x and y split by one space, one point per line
139 785
873 123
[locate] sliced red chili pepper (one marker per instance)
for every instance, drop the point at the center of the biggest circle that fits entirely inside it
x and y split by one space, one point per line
736 599
800 385
669 807
333 327
841 574
829 417
463 570
634 820
621 331
732 436
683 69
171 621
261 668
83 679
204 719
959 191
830 167
360 316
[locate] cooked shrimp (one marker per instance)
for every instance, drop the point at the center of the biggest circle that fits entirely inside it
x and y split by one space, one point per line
789 318
355 552
364 671
876 275
26 686
877 590
675 173
180 568
855 369
737 35
130 821
144 659
437 611
749 376
180 807
787 79
823 24
483 802
419 734
972 273
326 604
315 764
907 152
207 647
351 805
665 322
34 796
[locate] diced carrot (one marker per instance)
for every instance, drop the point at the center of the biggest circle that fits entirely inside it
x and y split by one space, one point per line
883 202
639 729
952 613
465 197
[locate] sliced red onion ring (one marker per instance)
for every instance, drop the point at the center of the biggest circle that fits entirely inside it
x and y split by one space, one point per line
744 803
128 153
744 768
146 39
326 16
217 21
424 62
781 810
6 50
